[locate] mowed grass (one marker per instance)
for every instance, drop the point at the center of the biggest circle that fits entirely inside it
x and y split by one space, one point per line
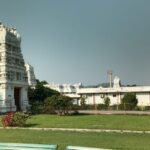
114 141
121 122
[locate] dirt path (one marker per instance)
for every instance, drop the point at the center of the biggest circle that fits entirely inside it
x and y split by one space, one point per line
79 130
114 112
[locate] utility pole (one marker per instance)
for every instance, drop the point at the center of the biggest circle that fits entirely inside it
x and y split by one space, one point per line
109 72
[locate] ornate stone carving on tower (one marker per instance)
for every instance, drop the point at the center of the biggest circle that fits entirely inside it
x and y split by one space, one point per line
117 82
13 77
30 75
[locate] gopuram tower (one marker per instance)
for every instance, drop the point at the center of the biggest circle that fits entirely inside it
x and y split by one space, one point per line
13 77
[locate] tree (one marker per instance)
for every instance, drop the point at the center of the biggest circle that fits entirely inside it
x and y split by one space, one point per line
129 101
40 93
63 104
41 82
107 102
50 104
57 103
82 102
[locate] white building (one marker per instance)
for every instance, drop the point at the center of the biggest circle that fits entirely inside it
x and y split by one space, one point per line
115 94
96 95
67 89
13 77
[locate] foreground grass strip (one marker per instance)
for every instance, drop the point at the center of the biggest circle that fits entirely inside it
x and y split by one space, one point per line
116 141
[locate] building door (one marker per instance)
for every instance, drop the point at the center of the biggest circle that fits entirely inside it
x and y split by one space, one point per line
17 95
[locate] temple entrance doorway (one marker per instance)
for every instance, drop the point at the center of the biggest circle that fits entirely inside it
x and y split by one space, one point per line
17 97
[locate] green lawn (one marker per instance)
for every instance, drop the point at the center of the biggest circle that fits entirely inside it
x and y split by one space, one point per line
122 122
115 141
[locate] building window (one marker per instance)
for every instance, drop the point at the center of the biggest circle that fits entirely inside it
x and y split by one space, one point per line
18 76
8 74
17 61
11 75
102 95
114 95
14 49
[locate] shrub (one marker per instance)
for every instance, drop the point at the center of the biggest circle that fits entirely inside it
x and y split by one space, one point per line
107 102
116 107
129 101
36 107
83 102
89 107
57 103
19 119
75 107
14 119
101 107
7 119
146 108
142 108
50 104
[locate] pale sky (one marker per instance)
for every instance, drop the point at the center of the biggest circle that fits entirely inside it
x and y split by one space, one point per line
71 41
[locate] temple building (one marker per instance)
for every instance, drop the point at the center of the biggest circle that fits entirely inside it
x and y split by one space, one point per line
30 75
67 90
13 76
96 94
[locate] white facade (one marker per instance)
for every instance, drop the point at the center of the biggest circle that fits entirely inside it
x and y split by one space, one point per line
30 75
116 93
67 89
96 95
13 77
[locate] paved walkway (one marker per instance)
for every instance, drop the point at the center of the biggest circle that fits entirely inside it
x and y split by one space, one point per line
115 112
79 130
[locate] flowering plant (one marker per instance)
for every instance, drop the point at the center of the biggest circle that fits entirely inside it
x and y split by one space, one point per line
7 119
14 119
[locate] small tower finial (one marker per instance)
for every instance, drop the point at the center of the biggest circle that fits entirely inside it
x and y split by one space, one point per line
109 72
